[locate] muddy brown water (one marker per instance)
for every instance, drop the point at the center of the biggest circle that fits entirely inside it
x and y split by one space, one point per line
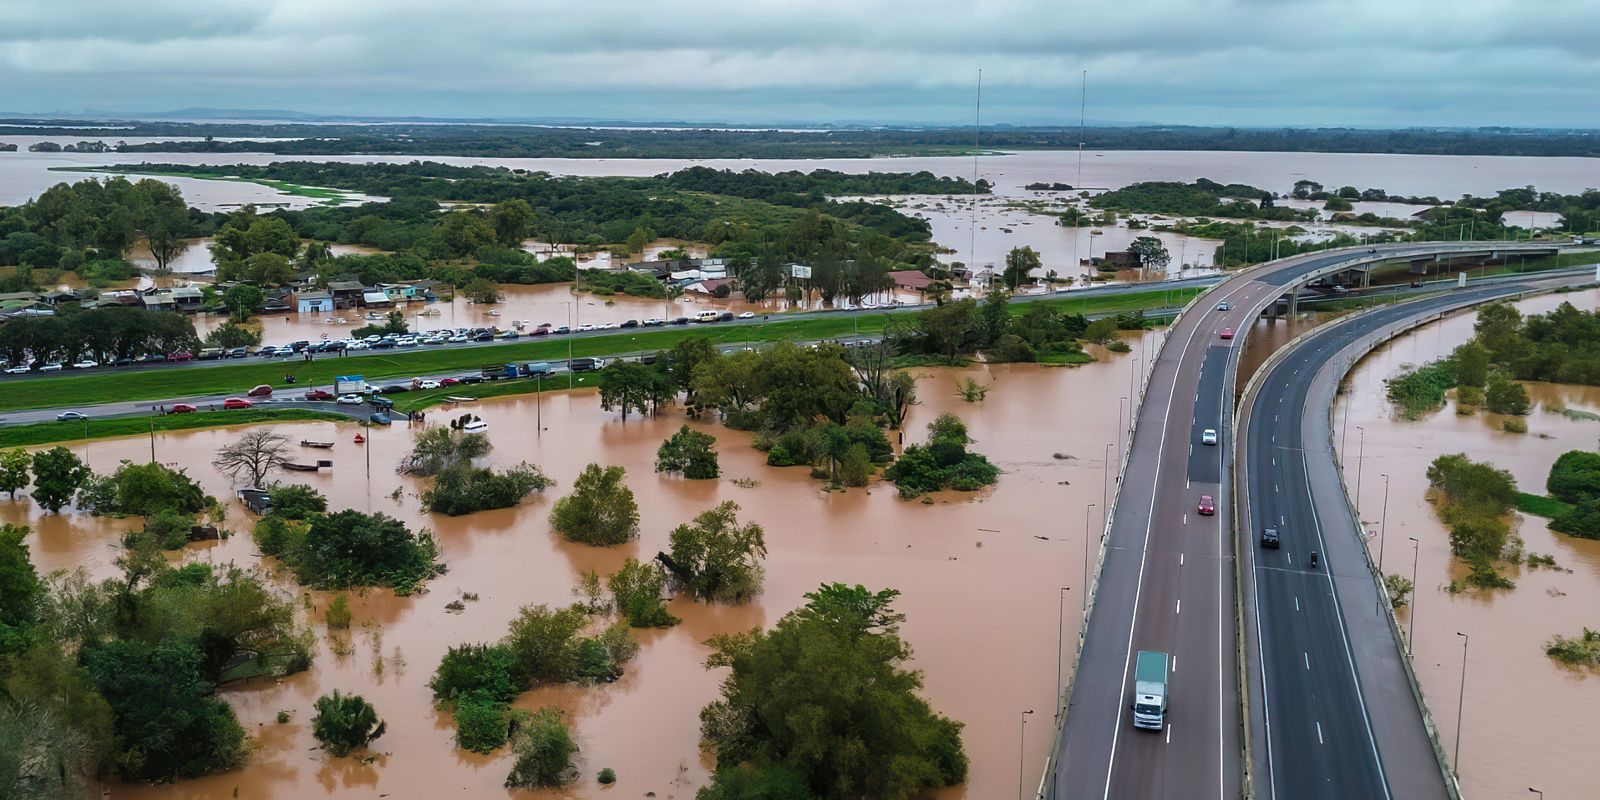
1528 720
979 576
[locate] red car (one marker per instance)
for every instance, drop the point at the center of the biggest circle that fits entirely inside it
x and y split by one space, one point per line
449 381
236 402
1226 333
180 408
318 394
180 357
260 391
1207 505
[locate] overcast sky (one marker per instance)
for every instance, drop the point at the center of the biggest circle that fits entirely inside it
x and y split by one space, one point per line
1208 62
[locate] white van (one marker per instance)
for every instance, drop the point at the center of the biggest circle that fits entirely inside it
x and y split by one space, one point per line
706 316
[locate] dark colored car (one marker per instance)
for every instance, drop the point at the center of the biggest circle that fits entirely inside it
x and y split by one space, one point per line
298 346
681 321
584 364
1269 538
648 358
268 351
483 337
180 357
539 332
465 379
395 388
236 352
632 323
383 344
726 316
318 394
380 402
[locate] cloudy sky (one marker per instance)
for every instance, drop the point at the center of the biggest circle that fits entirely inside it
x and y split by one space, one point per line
1247 62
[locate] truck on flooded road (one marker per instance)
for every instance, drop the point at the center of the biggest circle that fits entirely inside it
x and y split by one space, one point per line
1150 690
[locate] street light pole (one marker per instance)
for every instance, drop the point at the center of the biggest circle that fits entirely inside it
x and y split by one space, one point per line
1022 752
1411 627
1061 643
1087 515
1383 525
1461 698
1361 460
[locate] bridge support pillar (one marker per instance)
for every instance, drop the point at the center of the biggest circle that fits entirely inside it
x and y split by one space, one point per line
1294 303
1366 278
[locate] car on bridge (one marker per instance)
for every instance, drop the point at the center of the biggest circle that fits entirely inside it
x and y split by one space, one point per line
1207 506
1223 306
1226 333
1208 436
1270 539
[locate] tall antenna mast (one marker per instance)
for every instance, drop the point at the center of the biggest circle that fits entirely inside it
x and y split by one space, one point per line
1083 110
977 123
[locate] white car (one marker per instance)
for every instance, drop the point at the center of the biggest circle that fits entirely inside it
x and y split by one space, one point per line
374 338
22 370
1208 436
585 327
406 341
435 340
428 384
1223 306
87 363
358 344
748 315
54 366
458 338
349 400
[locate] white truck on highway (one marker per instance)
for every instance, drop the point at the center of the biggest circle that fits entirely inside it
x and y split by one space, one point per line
1150 690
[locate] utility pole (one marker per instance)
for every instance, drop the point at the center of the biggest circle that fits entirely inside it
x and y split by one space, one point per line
1411 626
1461 698
1087 515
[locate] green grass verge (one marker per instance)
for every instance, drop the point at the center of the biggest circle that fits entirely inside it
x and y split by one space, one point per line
414 401
106 427
1541 506
167 383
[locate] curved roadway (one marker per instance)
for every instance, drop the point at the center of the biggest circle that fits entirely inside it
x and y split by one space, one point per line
1166 574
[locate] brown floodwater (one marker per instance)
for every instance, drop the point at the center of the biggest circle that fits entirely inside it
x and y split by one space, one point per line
1528 721
979 576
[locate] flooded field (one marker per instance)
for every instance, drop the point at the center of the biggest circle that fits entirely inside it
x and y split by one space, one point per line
1527 719
979 574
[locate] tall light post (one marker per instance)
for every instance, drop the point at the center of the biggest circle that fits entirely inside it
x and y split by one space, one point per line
1105 485
1022 753
1120 428
1361 459
1133 371
1061 643
1461 698
1411 626
1088 513
1537 792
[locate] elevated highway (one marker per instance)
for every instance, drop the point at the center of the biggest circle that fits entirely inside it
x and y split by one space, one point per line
1166 575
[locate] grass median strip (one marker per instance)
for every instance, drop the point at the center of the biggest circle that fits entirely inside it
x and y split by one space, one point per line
168 383
107 427
1539 505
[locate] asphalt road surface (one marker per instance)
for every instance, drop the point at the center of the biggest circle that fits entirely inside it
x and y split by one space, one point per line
1166 577
1335 715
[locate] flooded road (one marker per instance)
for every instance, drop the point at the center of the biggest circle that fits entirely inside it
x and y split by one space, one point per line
980 576
1528 721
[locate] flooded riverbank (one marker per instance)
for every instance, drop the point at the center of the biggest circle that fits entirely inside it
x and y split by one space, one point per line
979 575
1527 719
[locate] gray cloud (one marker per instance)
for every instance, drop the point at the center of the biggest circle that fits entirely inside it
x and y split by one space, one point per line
1361 62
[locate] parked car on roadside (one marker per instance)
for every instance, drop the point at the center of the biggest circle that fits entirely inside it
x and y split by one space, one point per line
180 408
67 416
260 391
236 403
87 363
350 400
318 394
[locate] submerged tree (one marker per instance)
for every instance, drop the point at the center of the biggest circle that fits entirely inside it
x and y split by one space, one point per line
345 722
690 452
254 456
716 558
601 509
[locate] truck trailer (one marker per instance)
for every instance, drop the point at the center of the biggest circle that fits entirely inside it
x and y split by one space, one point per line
1150 690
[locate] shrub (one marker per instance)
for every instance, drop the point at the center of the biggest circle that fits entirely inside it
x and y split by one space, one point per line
1399 589
481 724
690 452
1583 521
1506 396
169 528
1420 389
1582 651
544 751
276 535
355 549
855 467
166 722
637 589
606 777
345 722
464 489
338 615
544 642
1514 425
601 509
943 463
296 501
484 671
1575 476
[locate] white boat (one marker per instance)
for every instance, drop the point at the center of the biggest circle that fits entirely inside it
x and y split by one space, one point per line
475 426
428 312
494 313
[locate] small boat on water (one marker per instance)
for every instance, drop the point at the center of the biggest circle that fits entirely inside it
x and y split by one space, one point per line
373 315
475 426
460 399
428 312
321 464
494 313
360 439
318 445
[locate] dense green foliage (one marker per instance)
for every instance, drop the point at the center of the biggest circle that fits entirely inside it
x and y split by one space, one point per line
943 463
636 591
715 558
689 452
601 509
1203 198
465 489
955 330
822 706
1475 500
1579 651
350 548
1419 390
297 501
143 490
1562 346
98 334
345 722
57 474
481 725
630 385
1575 480
167 723
543 749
